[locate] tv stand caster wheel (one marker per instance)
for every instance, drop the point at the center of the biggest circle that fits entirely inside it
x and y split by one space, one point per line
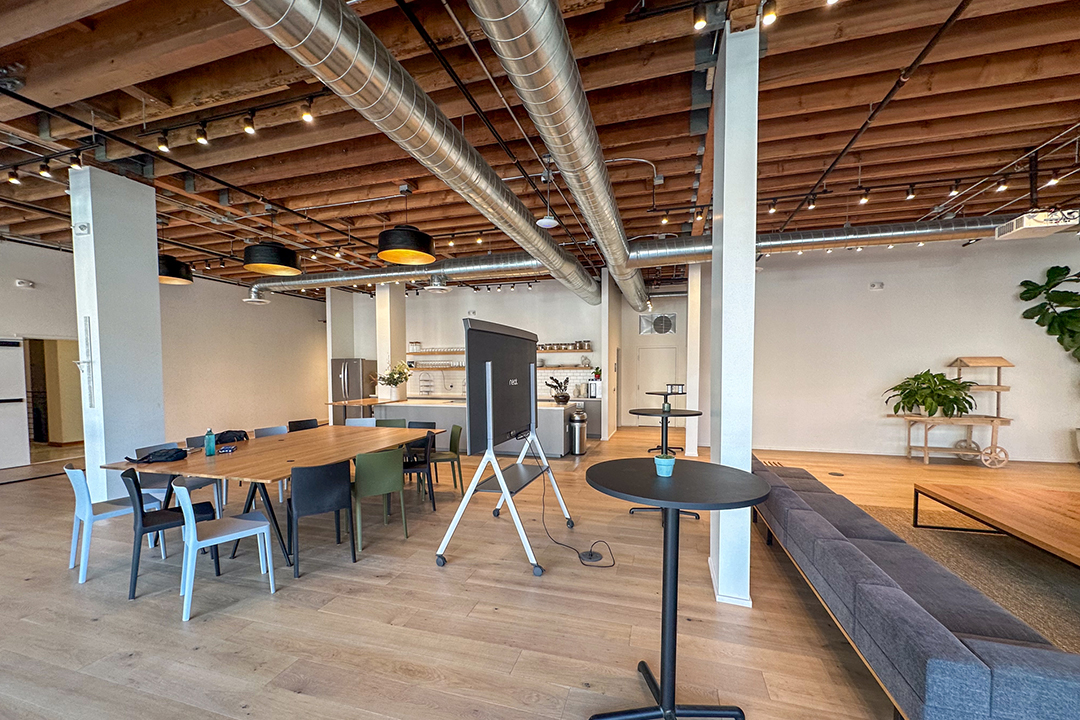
495 512
537 570
569 523
440 560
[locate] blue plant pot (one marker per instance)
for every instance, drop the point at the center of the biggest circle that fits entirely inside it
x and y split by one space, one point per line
664 466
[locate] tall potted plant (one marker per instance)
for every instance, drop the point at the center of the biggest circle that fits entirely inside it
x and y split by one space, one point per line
930 393
392 383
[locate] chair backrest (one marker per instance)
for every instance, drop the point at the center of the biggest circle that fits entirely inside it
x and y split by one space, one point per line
455 439
421 449
360 422
295 425
195 441
83 504
134 489
153 479
391 422
267 431
379 473
322 488
183 499
418 445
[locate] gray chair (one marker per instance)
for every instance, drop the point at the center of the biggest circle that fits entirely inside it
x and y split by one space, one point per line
267 432
159 485
359 422
317 490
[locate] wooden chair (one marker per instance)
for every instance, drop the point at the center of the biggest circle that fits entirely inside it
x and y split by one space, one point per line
202 534
317 490
87 513
379 473
157 521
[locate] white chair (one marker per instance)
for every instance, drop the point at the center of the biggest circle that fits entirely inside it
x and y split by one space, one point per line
360 422
275 430
159 484
208 533
87 513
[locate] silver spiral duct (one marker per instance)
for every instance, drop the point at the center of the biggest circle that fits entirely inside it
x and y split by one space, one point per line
496 265
532 42
331 41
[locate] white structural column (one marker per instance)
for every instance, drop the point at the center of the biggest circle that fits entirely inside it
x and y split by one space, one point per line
389 327
611 338
694 315
114 233
339 336
735 120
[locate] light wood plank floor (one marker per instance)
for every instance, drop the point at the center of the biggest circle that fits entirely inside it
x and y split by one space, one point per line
396 637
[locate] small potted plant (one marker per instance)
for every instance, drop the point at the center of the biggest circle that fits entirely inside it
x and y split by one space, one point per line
596 373
559 387
930 393
391 384
665 464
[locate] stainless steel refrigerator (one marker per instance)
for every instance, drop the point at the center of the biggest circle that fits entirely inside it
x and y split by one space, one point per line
352 379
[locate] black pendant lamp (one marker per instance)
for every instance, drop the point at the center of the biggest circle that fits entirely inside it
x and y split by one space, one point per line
406 245
271 258
172 271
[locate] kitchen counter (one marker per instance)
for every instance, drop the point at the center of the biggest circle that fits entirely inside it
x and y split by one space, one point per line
552 422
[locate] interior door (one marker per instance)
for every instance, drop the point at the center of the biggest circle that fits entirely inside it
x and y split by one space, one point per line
14 430
656 367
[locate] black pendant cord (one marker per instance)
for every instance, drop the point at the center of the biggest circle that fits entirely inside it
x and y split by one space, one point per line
901 81
437 52
166 159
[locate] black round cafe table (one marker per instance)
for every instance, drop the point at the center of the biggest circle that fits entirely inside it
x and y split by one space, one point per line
664 416
692 486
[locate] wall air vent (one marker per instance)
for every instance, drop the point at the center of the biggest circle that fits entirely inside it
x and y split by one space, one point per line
656 324
1038 224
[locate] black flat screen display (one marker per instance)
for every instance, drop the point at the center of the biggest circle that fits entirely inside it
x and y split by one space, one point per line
512 354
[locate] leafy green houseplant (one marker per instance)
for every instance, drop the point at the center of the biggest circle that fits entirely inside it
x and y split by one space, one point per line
932 392
1059 311
391 384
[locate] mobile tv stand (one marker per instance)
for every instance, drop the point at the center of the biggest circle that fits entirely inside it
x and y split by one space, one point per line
508 481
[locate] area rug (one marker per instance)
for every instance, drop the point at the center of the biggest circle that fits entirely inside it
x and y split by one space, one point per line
1037 587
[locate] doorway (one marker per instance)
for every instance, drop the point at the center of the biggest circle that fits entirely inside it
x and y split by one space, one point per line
656 367
53 399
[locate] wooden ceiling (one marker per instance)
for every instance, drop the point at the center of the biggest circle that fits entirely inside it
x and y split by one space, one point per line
1004 79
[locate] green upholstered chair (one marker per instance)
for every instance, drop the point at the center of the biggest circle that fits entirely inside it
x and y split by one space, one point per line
452 456
379 473
391 422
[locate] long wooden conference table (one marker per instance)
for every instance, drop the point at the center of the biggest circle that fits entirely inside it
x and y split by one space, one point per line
265 460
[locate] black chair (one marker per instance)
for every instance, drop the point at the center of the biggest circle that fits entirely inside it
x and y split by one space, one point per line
295 425
156 521
317 490
417 446
420 464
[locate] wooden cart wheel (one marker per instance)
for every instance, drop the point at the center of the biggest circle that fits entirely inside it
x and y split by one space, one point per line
994 456
968 449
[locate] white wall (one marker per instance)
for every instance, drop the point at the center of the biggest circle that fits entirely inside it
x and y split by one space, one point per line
631 376
48 310
827 346
232 365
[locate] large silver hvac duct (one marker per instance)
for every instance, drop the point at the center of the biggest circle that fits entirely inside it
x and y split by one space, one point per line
676 251
533 45
496 265
331 41
645 253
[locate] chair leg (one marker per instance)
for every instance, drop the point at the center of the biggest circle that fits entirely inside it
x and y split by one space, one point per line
190 553
74 542
386 509
404 522
431 488
262 554
337 526
436 467
88 530
224 493
281 491
161 542
135 553
295 546
352 533
269 558
217 563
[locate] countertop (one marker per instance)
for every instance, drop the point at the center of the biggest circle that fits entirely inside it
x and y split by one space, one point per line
460 402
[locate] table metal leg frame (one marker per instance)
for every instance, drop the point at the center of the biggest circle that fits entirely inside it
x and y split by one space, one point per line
664 449
664 692
915 521
268 510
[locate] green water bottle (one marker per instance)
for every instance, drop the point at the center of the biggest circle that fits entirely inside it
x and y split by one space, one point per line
209 445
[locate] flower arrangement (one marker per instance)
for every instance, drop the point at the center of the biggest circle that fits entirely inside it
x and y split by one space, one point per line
397 375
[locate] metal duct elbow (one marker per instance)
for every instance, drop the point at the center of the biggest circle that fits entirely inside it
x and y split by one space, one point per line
331 41
533 45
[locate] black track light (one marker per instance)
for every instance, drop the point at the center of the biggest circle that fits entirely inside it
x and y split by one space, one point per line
13 176
813 202
955 189
772 207
768 12
200 135
305 112
910 193
699 215
1003 184
75 163
44 170
249 124
865 198
665 220
699 17
163 142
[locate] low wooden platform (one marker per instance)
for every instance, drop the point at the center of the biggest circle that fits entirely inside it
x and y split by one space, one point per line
1048 519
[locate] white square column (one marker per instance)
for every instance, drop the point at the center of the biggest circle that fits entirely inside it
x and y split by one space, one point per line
390 325
735 122
339 337
114 234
